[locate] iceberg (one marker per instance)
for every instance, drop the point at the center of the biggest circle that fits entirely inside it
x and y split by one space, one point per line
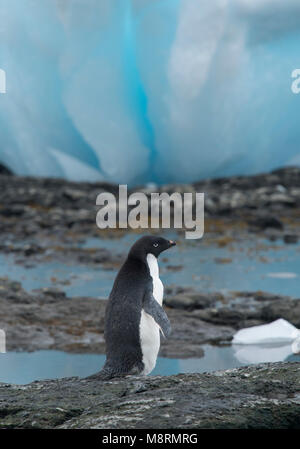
136 91
279 331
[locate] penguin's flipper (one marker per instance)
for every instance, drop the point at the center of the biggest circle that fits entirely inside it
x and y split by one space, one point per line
151 306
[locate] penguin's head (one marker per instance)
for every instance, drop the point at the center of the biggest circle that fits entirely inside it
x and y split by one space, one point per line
150 245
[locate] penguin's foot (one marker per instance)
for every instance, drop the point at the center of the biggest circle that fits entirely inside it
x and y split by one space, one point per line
101 375
107 374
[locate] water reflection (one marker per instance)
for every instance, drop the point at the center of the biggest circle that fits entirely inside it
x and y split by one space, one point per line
249 354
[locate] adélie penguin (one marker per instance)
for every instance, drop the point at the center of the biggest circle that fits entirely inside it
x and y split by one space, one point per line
134 316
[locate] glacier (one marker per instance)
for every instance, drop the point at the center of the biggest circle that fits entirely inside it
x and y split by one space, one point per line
135 91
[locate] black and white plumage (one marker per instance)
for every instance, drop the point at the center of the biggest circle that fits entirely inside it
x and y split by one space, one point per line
134 315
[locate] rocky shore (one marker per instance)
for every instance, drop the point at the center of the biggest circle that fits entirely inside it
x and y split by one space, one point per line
55 210
265 396
44 220
48 319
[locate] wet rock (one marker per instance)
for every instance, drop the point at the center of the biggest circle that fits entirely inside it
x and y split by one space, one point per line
31 249
42 207
290 238
265 296
260 396
54 294
48 319
192 300
5 170
12 292
12 211
227 316
266 222
179 302
282 198
288 309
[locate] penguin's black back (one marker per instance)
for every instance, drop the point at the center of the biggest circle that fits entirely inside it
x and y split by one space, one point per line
123 315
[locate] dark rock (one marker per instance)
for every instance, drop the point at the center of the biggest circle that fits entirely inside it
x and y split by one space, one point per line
289 176
12 211
54 294
290 238
48 319
289 309
265 296
5 170
56 207
266 222
264 396
31 249
224 315
192 301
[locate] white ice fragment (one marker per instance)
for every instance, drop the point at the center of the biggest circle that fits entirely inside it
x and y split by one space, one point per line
279 331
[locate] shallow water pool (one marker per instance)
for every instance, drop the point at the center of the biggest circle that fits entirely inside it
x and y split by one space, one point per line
25 367
240 266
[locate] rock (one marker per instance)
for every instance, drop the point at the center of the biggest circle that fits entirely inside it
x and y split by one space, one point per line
47 319
282 198
43 207
289 309
290 238
5 170
266 222
77 324
54 294
179 302
192 301
264 396
265 296
225 316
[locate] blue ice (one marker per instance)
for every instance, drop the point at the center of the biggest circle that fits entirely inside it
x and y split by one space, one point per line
133 91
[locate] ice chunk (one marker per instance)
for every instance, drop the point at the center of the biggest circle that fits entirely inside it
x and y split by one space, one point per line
279 331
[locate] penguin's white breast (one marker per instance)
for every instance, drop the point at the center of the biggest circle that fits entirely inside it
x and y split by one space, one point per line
158 288
149 329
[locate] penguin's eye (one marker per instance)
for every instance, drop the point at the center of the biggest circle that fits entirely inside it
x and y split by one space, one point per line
155 245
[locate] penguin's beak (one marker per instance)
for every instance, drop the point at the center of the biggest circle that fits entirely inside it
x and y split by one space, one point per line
172 243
